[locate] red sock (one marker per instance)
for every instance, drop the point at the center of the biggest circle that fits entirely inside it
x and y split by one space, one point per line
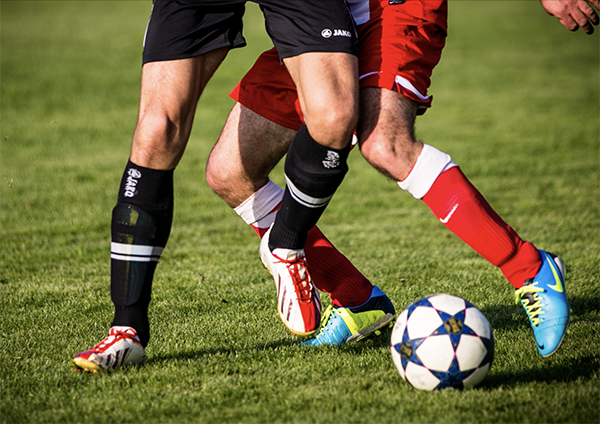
463 210
331 271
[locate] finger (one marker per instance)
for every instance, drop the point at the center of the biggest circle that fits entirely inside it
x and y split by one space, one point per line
595 3
587 28
590 12
569 23
582 21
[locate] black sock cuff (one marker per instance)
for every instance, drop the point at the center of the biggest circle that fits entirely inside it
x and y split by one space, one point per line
315 169
149 188
306 148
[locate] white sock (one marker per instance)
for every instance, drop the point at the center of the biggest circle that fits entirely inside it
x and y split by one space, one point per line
430 164
259 210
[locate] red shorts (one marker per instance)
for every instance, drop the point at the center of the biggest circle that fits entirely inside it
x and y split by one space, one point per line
399 47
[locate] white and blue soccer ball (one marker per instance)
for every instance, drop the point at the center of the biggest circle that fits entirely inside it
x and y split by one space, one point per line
442 341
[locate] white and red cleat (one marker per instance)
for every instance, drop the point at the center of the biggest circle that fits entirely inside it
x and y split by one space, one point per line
122 347
298 302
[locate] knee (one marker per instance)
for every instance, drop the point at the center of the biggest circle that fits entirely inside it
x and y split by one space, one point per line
218 178
158 141
376 152
157 129
394 157
332 124
226 180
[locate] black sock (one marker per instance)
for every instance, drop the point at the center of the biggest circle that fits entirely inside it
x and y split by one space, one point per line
313 173
141 224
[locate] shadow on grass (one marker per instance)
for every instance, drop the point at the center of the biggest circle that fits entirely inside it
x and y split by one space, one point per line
364 346
581 368
506 318
503 318
220 351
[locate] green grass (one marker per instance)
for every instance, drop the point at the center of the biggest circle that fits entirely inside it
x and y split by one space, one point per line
516 105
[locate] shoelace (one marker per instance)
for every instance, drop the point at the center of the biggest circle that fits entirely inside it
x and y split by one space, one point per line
534 305
325 320
301 284
108 341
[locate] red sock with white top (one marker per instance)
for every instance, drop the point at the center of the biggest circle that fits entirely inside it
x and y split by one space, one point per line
463 210
331 271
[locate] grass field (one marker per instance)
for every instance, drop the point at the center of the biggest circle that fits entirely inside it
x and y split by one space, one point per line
516 105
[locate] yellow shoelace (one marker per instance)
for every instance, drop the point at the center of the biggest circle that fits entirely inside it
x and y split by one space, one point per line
534 309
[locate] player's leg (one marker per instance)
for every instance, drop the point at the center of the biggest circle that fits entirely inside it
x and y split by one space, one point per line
175 71
256 136
315 166
268 90
316 162
323 65
141 220
430 175
316 40
238 171
397 61
238 168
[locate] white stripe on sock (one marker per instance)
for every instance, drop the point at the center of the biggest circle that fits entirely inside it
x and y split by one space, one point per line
135 252
305 199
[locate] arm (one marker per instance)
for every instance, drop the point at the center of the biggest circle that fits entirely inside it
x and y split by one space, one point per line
574 14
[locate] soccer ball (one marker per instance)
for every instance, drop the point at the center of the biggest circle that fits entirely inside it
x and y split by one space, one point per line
442 341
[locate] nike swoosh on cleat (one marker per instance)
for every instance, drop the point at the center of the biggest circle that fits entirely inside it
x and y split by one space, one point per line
540 346
558 287
447 218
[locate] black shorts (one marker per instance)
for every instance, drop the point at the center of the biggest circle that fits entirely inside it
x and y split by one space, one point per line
184 29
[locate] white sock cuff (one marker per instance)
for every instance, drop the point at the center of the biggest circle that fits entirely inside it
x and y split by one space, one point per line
260 204
430 164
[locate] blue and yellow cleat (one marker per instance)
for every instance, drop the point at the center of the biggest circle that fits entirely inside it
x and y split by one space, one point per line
545 302
347 325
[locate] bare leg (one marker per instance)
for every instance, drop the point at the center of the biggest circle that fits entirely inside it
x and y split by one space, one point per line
248 149
169 95
328 94
386 132
238 167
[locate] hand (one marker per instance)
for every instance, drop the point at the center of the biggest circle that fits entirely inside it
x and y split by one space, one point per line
574 14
